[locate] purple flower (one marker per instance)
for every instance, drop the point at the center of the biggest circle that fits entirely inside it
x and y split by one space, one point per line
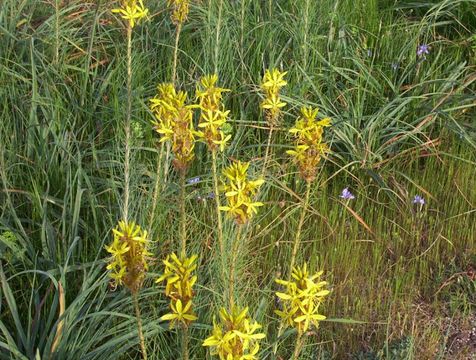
418 200
347 195
193 181
423 50
211 195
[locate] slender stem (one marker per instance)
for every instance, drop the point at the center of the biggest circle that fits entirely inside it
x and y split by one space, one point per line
57 18
183 228
217 35
298 347
234 252
139 325
185 355
155 195
128 124
167 162
177 38
267 153
297 242
217 204
297 239
306 29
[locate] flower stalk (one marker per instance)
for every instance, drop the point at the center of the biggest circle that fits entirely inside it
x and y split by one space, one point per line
297 239
139 325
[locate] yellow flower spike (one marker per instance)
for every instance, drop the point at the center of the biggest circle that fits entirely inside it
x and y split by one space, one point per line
179 288
239 192
180 10
174 123
273 81
236 336
128 262
301 299
213 114
132 11
309 147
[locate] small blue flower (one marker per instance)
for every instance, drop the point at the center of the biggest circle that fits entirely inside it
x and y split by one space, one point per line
418 200
193 181
395 66
347 195
423 50
369 53
211 195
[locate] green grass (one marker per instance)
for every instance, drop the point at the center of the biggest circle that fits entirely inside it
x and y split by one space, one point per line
401 127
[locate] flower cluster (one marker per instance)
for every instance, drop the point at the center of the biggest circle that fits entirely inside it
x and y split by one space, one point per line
302 299
213 115
235 337
128 263
309 146
179 283
273 81
174 122
239 192
132 11
180 9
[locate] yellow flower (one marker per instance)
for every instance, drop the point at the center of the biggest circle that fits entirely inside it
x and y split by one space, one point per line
132 11
273 81
174 122
301 299
180 9
128 262
235 337
213 116
239 192
180 313
180 280
309 146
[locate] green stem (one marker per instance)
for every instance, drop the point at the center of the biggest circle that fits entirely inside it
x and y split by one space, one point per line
177 38
298 346
267 153
217 35
217 205
183 228
305 32
185 355
128 124
139 325
297 239
297 242
234 252
155 195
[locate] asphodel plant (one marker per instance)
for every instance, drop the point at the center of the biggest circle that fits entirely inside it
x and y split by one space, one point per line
273 81
180 10
300 300
236 335
128 264
240 206
307 152
213 118
174 123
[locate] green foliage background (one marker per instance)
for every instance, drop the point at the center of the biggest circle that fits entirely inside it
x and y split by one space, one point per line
401 126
